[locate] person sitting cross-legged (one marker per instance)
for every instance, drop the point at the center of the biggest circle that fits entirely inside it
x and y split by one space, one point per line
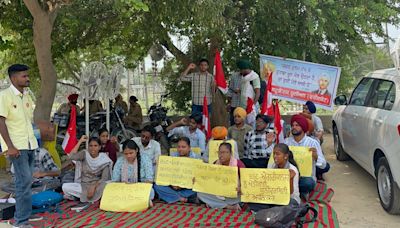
226 158
299 138
173 194
92 172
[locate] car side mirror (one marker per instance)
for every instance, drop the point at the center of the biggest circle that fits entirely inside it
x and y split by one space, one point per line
341 100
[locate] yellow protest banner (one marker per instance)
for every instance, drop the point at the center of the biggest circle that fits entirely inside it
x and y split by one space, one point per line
303 157
176 171
213 147
122 197
268 186
196 150
218 180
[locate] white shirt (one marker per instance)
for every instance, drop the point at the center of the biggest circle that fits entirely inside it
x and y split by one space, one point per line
317 123
197 138
153 150
307 141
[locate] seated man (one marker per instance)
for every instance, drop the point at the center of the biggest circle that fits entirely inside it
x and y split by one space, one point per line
190 128
310 109
259 143
134 118
299 138
45 174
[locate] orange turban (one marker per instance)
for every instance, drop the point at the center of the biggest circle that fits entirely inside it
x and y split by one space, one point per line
219 132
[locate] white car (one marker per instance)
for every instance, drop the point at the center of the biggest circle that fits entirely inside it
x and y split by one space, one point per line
366 127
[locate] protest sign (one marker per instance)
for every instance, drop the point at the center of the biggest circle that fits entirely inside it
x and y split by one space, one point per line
122 197
213 148
300 81
176 171
303 157
196 150
218 180
268 186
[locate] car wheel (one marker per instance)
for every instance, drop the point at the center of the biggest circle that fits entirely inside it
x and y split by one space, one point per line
389 192
341 155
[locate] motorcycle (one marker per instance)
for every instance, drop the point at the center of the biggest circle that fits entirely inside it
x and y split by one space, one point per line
97 121
160 121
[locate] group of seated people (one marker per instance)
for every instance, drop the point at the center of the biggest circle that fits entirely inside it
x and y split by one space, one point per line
242 147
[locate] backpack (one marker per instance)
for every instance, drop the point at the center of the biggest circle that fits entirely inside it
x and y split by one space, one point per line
45 201
284 216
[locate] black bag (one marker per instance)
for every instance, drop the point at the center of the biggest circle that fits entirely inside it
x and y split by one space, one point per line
284 216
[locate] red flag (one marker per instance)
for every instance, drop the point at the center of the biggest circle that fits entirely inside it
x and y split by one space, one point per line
277 121
206 119
70 136
219 74
251 111
267 107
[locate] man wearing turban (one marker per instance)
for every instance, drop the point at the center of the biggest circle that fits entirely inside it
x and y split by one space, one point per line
299 138
66 107
239 129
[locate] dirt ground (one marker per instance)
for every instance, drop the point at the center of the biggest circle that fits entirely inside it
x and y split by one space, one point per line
356 200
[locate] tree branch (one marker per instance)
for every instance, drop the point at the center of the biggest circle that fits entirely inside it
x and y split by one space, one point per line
169 45
69 68
68 84
34 7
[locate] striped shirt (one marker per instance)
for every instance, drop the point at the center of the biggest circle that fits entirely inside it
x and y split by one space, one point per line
256 146
201 86
234 84
307 141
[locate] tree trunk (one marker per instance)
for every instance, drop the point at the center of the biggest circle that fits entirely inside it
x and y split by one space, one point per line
219 115
42 28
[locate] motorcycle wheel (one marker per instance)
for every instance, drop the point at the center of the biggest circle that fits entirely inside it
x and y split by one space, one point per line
131 133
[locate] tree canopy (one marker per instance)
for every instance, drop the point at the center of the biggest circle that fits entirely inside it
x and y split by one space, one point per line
328 32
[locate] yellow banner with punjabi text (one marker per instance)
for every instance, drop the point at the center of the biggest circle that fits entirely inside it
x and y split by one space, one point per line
213 147
122 197
267 186
218 180
176 171
303 157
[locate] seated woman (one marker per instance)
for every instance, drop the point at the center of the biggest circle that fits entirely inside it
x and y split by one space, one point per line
92 171
108 145
283 158
133 167
172 194
219 133
226 158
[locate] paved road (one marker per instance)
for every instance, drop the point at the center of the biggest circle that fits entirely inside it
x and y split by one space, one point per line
356 200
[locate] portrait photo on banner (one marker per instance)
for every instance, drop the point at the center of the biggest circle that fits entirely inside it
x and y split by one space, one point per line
300 81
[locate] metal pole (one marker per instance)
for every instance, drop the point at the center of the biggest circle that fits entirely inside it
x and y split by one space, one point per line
108 114
87 115
145 86
129 85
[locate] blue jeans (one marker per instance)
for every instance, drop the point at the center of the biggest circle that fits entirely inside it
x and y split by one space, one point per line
306 185
170 195
23 168
199 109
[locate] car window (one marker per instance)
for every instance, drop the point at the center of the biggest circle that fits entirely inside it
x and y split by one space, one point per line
361 92
378 93
391 97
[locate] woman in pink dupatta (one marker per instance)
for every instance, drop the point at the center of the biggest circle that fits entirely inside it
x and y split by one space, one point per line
226 158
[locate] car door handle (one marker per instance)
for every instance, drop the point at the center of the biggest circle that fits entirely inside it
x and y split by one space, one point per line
379 122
